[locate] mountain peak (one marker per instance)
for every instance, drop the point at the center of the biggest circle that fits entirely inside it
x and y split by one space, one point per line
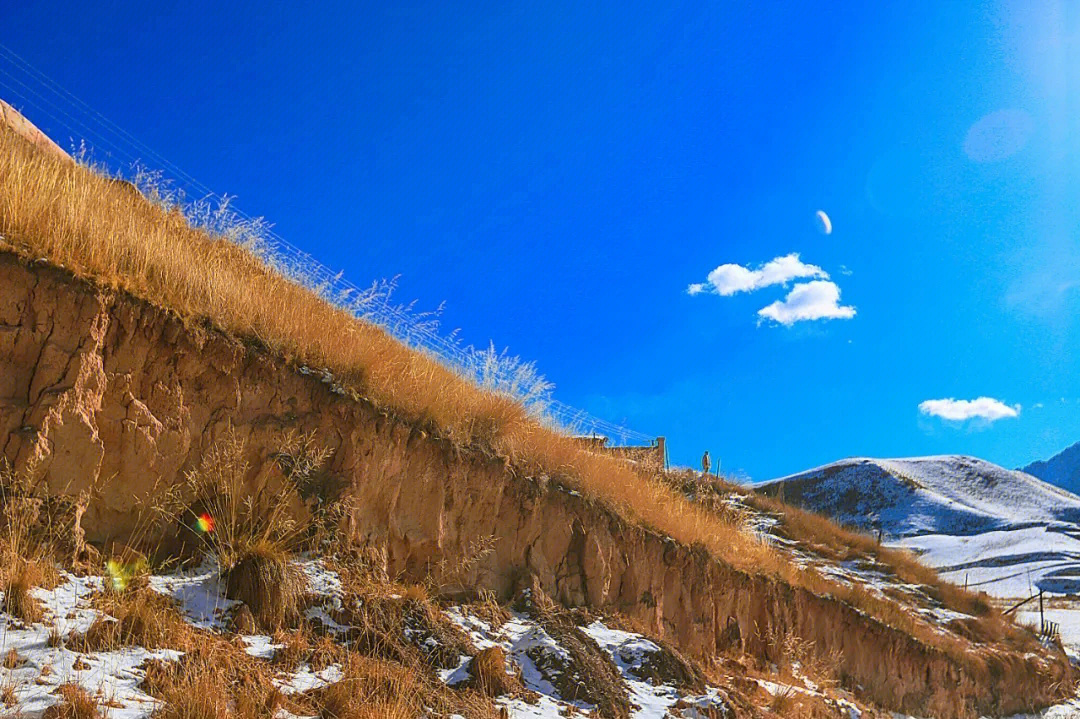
1063 469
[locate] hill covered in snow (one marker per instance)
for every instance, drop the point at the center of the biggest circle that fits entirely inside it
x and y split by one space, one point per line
1063 469
1001 530
948 494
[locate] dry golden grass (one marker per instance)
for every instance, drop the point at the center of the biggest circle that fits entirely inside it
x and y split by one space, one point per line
213 680
75 703
8 696
18 602
268 583
142 617
487 673
102 231
373 688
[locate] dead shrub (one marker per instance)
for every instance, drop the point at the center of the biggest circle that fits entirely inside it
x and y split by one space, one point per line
12 659
75 703
18 602
392 622
488 609
783 701
8 697
141 618
487 674
268 583
37 525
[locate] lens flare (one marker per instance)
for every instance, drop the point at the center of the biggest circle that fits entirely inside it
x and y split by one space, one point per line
205 523
121 573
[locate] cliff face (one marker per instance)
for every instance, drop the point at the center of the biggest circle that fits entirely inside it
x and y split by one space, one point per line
99 390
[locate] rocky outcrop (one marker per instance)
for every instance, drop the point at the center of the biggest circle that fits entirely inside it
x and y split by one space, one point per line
100 391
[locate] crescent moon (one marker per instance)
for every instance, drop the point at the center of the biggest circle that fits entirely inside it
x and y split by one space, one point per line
826 223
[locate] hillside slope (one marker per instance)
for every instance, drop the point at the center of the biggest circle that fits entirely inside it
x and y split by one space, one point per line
121 376
1062 470
980 525
949 494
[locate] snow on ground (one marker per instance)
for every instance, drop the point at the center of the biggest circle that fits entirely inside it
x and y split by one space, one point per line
521 639
1005 563
199 595
872 576
115 676
996 530
627 651
43 668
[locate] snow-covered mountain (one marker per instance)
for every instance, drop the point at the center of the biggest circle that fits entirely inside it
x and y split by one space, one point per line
949 494
1063 469
979 524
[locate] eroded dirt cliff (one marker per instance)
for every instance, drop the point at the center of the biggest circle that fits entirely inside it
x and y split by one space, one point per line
104 393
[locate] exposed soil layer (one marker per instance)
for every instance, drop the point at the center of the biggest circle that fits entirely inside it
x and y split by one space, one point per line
101 391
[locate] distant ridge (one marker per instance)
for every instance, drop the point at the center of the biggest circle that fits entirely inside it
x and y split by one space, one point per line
949 494
1003 531
1063 469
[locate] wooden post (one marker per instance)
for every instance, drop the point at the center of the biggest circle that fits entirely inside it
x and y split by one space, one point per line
1042 621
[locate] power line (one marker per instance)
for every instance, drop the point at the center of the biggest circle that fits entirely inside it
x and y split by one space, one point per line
32 87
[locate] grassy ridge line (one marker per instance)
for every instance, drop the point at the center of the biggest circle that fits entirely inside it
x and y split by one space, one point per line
103 231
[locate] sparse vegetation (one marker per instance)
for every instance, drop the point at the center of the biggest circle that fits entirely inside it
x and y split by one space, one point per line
213 680
75 703
822 536
142 618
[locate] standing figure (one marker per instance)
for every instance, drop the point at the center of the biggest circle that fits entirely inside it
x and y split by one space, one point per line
706 463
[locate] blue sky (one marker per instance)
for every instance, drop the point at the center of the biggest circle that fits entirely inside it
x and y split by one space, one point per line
561 173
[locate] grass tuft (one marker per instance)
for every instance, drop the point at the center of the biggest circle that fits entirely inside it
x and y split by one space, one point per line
75 703
18 602
268 583
487 673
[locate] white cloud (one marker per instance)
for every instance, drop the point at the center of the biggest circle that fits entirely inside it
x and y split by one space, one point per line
731 279
817 300
959 410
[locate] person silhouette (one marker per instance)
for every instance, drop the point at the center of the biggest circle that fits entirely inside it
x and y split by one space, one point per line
706 463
